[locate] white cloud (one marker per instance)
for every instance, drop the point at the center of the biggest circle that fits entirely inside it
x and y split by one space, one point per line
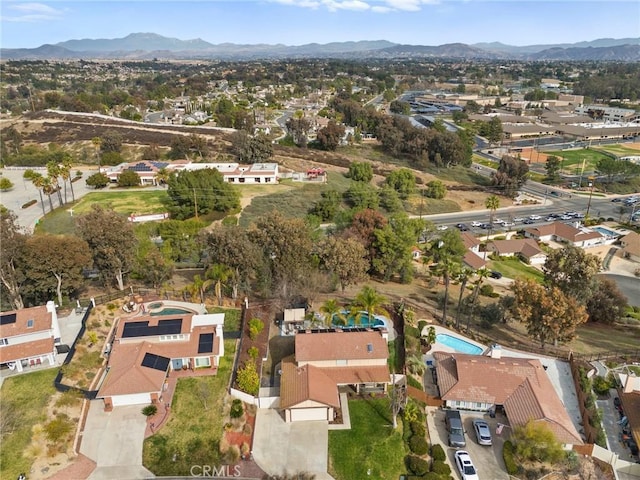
379 9
334 5
31 12
378 6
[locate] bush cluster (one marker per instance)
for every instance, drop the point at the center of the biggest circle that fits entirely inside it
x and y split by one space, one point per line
510 463
437 453
416 465
29 203
418 445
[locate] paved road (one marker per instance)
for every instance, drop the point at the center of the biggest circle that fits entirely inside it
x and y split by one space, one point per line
629 286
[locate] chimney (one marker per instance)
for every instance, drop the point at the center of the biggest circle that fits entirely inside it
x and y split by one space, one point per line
496 351
630 383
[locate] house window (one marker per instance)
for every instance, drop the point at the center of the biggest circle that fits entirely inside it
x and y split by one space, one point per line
241 179
231 179
4 341
171 338
257 179
478 405
203 362
30 323
267 180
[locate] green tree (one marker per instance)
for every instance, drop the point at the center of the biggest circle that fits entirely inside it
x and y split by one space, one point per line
390 200
362 195
38 181
344 258
153 265
606 304
128 178
328 205
13 244
251 148
573 271
53 172
436 189
219 274
402 181
329 137
65 173
199 193
110 142
511 174
111 240
248 379
491 203
5 184
54 265
536 442
547 313
360 172
552 166
331 308
369 300
391 247
97 181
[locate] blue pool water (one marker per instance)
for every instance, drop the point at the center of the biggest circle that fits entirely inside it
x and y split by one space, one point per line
365 321
171 311
606 232
458 344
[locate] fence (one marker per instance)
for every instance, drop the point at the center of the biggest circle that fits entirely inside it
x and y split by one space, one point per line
620 466
629 356
590 432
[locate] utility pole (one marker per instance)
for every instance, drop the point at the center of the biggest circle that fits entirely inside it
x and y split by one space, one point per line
195 202
591 184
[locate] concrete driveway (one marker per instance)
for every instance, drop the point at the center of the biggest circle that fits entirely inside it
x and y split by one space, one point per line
488 460
114 441
280 447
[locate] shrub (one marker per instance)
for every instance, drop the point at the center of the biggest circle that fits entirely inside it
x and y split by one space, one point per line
29 203
58 428
255 327
508 451
440 468
230 221
149 410
232 455
432 476
236 409
416 465
600 385
437 453
414 382
486 290
417 428
247 429
253 353
421 325
248 379
418 445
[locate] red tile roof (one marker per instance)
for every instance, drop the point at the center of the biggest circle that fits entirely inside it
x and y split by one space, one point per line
18 351
469 240
520 385
306 383
41 321
525 246
474 261
340 345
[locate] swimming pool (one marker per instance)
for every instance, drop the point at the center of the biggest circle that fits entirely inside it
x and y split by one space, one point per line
171 311
365 321
606 232
459 345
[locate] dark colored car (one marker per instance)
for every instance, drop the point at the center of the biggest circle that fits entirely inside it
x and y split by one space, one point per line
455 429
462 227
496 275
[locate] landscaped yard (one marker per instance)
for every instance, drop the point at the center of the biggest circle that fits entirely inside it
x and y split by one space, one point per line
232 317
192 435
572 160
372 448
620 150
511 267
23 399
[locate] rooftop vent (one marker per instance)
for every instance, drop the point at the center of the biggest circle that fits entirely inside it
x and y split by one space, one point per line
369 347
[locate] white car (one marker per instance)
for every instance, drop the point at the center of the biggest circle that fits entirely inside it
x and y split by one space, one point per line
475 223
441 227
518 219
465 466
535 217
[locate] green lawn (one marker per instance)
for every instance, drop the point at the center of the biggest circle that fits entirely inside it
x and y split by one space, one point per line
23 400
193 433
618 149
511 267
572 160
371 444
232 317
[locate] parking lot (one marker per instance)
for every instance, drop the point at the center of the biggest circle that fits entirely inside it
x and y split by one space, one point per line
487 460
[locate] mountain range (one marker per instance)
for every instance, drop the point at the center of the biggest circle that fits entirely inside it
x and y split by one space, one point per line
146 46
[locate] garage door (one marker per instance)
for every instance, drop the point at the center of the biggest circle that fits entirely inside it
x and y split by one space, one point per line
135 399
301 414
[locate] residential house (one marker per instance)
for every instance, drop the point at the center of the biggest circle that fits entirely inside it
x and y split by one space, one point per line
526 249
323 362
630 399
631 246
146 349
471 258
28 337
563 233
519 386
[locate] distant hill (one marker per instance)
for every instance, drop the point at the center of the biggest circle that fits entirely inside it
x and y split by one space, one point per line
145 46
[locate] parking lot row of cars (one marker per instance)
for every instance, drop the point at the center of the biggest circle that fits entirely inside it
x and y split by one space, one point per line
457 439
531 219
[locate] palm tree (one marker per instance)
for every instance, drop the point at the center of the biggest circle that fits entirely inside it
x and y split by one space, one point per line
481 274
217 274
492 203
198 287
48 189
53 171
97 142
370 301
162 176
65 173
37 180
463 277
355 313
331 310
446 268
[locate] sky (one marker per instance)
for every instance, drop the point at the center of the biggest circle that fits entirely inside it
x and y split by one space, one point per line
29 24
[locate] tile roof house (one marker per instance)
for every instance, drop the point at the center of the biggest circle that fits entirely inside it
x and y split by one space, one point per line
519 385
28 336
526 249
631 246
563 233
324 361
630 397
146 349
471 257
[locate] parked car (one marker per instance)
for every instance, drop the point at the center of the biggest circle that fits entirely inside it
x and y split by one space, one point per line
462 227
518 219
528 221
483 432
535 217
475 223
465 466
616 200
441 227
496 275
455 429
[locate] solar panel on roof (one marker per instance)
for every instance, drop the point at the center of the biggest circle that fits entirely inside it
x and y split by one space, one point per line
156 362
7 318
159 165
142 328
205 343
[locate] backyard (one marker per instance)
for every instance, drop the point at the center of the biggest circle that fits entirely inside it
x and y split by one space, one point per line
193 433
372 448
512 267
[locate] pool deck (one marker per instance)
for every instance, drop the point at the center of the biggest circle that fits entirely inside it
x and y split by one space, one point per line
197 308
439 347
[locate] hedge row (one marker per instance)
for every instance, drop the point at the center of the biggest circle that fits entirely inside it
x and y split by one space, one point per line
29 203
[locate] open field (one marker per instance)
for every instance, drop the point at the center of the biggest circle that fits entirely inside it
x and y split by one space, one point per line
192 434
24 399
372 448
572 160
621 150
